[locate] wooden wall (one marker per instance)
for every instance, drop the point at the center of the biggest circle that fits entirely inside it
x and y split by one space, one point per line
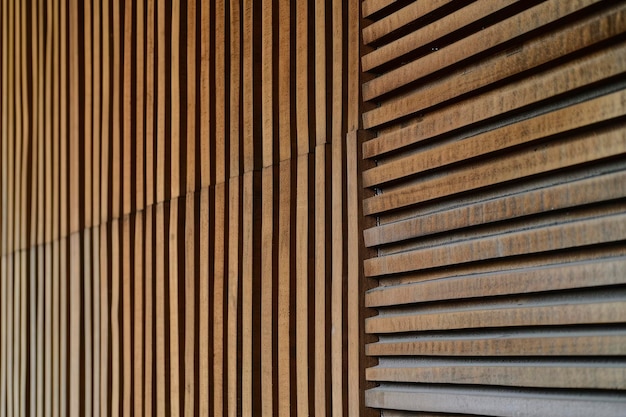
179 208
500 185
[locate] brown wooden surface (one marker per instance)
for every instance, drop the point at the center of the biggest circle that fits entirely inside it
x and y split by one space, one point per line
496 208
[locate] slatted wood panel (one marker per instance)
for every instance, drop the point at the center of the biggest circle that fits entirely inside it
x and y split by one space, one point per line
497 135
177 185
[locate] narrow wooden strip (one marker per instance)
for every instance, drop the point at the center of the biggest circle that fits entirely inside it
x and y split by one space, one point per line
96 117
322 281
192 105
233 336
149 315
582 312
33 338
10 364
485 402
533 89
151 91
97 336
554 155
338 378
174 348
138 238
569 118
190 294
566 235
126 317
106 117
527 280
302 235
116 358
175 133
87 330
221 81
248 87
268 272
118 117
512 344
268 70
284 290
104 319
247 284
235 91
408 14
160 234
322 80
219 296
303 113
207 110
206 299
560 196
285 133
126 172
372 6
480 41
75 333
159 152
63 327
354 263
88 104
141 90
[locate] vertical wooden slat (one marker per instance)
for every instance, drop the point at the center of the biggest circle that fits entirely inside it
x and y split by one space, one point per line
205 258
219 297
190 306
115 276
284 290
126 171
192 99
175 133
302 285
104 320
126 317
159 302
268 266
138 315
149 315
207 61
174 347
233 337
337 244
150 103
160 103
140 107
87 277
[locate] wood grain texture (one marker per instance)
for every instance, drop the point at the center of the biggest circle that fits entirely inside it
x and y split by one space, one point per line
477 282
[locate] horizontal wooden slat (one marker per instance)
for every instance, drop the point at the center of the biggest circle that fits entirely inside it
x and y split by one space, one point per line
496 402
430 34
481 41
567 235
506 343
534 201
549 157
526 131
600 65
506 316
593 29
604 374
372 6
400 18
526 280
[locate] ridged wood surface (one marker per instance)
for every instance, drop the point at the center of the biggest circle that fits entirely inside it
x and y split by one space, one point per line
180 199
497 143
